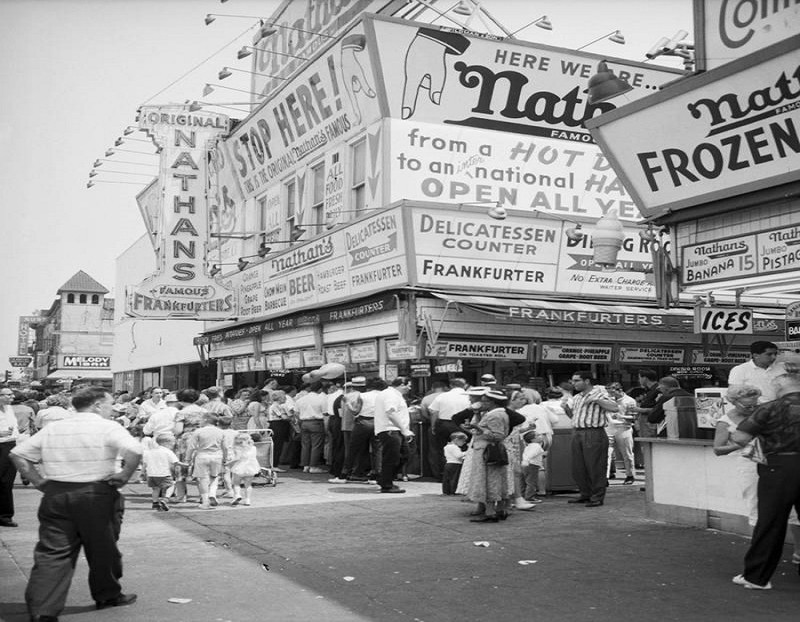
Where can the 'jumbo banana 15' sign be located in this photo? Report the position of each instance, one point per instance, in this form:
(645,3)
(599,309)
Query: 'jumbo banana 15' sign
(181,287)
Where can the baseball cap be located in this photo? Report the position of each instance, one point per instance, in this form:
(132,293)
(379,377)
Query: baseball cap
(477,391)
(488,378)
(358,381)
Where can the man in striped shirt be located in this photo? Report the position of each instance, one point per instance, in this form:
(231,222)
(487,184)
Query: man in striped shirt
(589,411)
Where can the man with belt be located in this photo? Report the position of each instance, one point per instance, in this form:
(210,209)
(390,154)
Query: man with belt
(777,425)
(441,411)
(589,411)
(78,474)
(9,431)
(392,423)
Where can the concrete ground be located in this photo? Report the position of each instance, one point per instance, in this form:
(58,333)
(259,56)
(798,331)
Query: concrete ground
(308,550)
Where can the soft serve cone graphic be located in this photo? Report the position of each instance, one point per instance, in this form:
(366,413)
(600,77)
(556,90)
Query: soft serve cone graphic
(607,239)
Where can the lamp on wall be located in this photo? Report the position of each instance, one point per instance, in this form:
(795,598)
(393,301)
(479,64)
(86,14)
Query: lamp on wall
(110,152)
(604,85)
(209,88)
(607,237)
(247,50)
(615,36)
(196,105)
(92,183)
(227,72)
(99,162)
(497,211)
(296,234)
(267,28)
(540,22)
(217,267)
(118,142)
(95,172)
(674,46)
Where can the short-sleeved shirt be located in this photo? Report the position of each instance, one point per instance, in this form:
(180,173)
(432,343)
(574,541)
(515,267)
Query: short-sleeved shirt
(591,414)
(82,448)
(777,424)
(158,462)
(752,374)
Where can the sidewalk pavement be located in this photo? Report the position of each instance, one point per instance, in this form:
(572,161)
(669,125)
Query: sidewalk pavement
(308,550)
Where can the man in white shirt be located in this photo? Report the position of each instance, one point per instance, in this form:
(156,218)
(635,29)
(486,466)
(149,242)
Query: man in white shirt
(311,409)
(156,402)
(392,423)
(441,412)
(81,506)
(9,431)
(165,420)
(759,371)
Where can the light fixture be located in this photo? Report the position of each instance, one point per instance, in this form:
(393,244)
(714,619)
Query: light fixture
(674,46)
(541,22)
(226,72)
(217,267)
(267,28)
(263,251)
(297,233)
(247,50)
(464,7)
(209,88)
(270,28)
(332,219)
(615,37)
(497,211)
(121,140)
(604,85)
(110,152)
(199,105)
(129,130)
(574,234)
(94,172)
(99,181)
(99,162)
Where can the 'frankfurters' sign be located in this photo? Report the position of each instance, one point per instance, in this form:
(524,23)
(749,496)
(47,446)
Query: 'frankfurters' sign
(731,130)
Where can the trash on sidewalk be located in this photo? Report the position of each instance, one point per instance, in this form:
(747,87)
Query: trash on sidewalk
(526,562)
(349,578)
(481,543)
(179,601)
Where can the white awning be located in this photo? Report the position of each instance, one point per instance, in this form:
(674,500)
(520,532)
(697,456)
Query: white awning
(80,374)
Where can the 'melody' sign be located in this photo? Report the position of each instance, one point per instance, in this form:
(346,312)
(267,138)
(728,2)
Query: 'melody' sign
(181,287)
(732,130)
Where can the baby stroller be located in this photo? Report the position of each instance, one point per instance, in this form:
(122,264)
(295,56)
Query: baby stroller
(264,456)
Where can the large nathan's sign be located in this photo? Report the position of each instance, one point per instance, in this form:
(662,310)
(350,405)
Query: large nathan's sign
(732,130)
(729,29)
(485,120)
(181,287)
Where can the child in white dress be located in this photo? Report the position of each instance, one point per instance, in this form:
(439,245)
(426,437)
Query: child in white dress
(244,467)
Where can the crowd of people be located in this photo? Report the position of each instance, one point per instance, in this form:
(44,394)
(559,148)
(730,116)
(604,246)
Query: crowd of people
(487,443)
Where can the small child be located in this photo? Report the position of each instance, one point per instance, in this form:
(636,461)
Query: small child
(160,463)
(244,467)
(224,423)
(532,462)
(454,459)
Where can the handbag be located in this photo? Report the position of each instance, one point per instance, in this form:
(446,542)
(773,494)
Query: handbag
(495,454)
(753,451)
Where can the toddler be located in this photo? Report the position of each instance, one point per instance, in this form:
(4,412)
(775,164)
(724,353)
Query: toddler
(244,467)
(532,462)
(454,459)
(160,463)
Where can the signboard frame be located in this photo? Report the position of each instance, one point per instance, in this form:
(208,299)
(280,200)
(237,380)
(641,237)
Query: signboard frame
(618,150)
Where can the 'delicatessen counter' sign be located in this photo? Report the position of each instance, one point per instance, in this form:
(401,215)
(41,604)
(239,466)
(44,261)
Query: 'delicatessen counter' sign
(181,288)
(761,253)
(719,134)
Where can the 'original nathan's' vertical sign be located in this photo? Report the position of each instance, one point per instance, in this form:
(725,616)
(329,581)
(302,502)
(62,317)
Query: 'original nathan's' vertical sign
(180,287)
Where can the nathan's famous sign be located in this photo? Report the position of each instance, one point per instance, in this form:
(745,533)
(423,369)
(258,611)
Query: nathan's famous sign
(181,287)
(732,130)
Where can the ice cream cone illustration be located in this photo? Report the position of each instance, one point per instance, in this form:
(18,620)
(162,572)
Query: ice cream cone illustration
(607,239)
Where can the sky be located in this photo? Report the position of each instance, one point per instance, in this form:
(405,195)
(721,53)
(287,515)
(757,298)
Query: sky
(74,72)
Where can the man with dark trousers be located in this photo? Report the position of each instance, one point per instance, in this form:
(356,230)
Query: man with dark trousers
(777,425)
(81,505)
(589,411)
(392,423)
(9,431)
